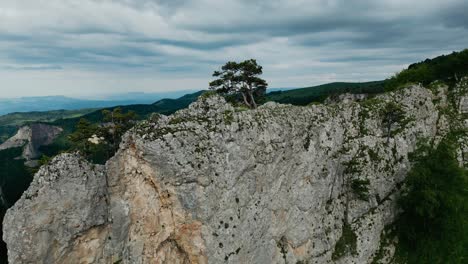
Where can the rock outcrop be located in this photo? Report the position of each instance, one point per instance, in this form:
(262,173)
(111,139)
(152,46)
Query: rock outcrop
(31,137)
(218,184)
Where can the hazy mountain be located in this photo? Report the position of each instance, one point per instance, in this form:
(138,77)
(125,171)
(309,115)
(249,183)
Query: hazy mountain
(47,103)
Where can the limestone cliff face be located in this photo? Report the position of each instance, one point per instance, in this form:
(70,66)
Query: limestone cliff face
(217,184)
(31,137)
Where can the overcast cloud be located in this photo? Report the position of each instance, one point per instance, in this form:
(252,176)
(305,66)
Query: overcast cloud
(90,47)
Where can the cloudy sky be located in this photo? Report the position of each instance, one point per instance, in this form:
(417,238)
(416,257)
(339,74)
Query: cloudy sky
(91,47)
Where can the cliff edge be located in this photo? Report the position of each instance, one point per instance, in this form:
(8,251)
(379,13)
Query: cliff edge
(218,184)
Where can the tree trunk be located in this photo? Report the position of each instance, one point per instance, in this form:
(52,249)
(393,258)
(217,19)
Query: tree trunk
(389,131)
(245,100)
(254,105)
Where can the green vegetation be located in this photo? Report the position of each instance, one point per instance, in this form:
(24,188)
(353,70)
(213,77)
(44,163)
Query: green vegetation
(19,119)
(98,142)
(14,176)
(305,96)
(116,124)
(208,94)
(386,239)
(80,141)
(361,188)
(242,80)
(346,244)
(9,123)
(352,166)
(6,132)
(433,227)
(143,111)
(14,179)
(100,153)
(392,114)
(446,68)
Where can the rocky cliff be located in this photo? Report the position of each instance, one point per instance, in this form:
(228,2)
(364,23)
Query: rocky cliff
(218,184)
(31,137)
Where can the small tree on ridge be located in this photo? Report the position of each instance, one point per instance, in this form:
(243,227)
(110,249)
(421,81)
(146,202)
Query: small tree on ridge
(241,78)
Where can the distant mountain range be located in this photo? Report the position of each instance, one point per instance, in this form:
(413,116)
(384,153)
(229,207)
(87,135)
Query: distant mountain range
(47,103)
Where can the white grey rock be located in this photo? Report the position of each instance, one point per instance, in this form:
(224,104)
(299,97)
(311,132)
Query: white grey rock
(218,184)
(31,137)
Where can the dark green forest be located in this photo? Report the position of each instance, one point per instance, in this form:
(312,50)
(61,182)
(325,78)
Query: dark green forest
(14,179)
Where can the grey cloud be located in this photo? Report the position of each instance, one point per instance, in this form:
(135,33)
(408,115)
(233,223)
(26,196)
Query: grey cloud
(180,38)
(31,68)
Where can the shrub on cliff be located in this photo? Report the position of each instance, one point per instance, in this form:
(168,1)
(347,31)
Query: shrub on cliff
(433,227)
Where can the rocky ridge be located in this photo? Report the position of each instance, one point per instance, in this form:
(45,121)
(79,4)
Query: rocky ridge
(31,137)
(218,184)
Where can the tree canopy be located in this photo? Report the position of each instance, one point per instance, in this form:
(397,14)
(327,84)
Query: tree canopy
(433,227)
(448,68)
(241,79)
(100,142)
(118,123)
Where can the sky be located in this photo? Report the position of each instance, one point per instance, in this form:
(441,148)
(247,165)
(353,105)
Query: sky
(84,48)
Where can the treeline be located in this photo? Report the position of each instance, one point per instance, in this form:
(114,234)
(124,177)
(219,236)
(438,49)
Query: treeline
(98,140)
(305,96)
(446,68)
(77,131)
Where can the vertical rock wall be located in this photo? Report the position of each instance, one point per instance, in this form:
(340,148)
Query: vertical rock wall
(218,184)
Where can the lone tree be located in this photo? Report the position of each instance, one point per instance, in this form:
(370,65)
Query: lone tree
(392,114)
(118,123)
(80,137)
(240,78)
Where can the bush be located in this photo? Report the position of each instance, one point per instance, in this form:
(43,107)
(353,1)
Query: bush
(346,244)
(361,188)
(433,227)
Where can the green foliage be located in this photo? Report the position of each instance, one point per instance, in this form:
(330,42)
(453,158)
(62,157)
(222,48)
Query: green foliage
(84,131)
(14,179)
(59,145)
(14,176)
(44,160)
(241,79)
(101,152)
(433,227)
(109,134)
(392,113)
(305,96)
(80,141)
(446,68)
(6,132)
(361,188)
(208,94)
(386,240)
(352,166)
(373,155)
(118,117)
(19,119)
(228,117)
(346,244)
(118,123)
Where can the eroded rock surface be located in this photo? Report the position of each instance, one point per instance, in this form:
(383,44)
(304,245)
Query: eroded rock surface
(217,184)
(62,217)
(31,137)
